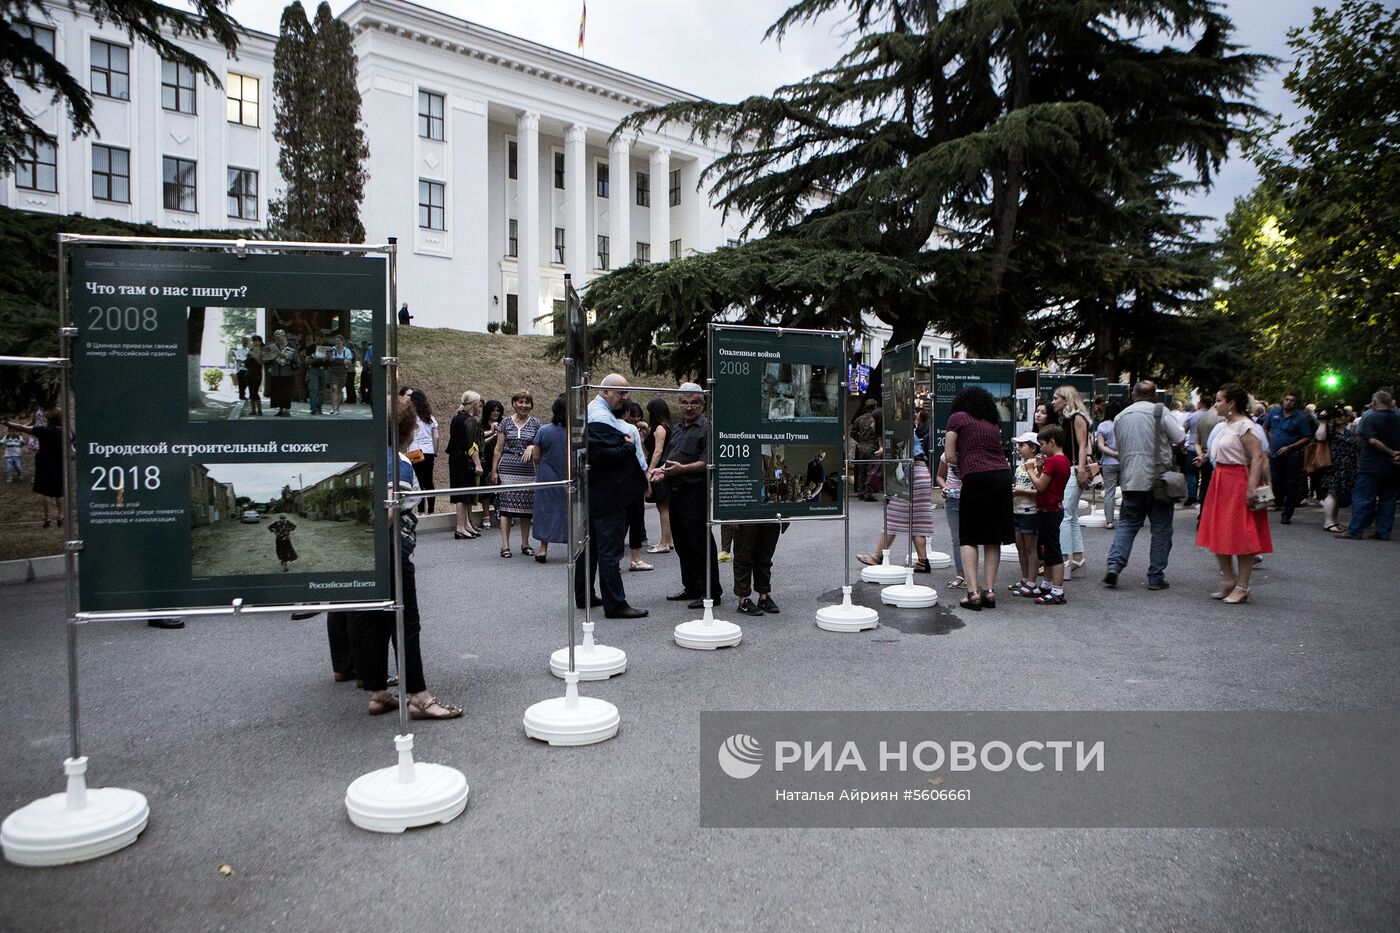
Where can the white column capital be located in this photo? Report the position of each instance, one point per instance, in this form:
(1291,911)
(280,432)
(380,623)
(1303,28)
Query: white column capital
(620,146)
(661,156)
(577,133)
(528,121)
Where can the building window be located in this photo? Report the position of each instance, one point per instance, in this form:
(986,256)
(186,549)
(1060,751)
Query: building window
(432,198)
(559,245)
(242,99)
(604,257)
(512,160)
(178,184)
(513,238)
(111,174)
(942,353)
(430,111)
(675,249)
(675,187)
(643,189)
(603,181)
(643,253)
(923,355)
(43,36)
(243,193)
(176,86)
(111,68)
(38,170)
(732,244)
(559,170)
(513,313)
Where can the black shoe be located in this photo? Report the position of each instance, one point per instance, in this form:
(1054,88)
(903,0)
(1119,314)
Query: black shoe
(1110,578)
(166,622)
(1158,585)
(747,607)
(1286,520)
(681,597)
(699,603)
(298,616)
(593,602)
(627,612)
(767,604)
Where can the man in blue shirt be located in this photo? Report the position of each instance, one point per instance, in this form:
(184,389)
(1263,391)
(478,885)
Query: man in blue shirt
(1289,430)
(1377,469)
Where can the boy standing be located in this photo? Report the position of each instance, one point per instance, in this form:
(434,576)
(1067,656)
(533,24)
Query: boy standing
(1049,474)
(1023,494)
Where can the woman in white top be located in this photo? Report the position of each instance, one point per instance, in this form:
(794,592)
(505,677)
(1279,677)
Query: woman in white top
(1233,526)
(342,360)
(425,442)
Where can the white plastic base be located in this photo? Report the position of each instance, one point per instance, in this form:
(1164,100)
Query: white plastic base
(909,595)
(708,633)
(846,616)
(591,660)
(1095,519)
(572,719)
(75,826)
(409,794)
(937,560)
(884,573)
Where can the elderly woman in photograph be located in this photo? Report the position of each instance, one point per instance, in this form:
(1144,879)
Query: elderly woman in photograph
(342,361)
(281,362)
(515,464)
(283,529)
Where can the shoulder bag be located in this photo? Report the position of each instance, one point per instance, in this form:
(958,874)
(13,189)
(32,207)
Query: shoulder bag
(1171,484)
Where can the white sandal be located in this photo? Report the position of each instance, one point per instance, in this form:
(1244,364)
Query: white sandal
(660,550)
(640,565)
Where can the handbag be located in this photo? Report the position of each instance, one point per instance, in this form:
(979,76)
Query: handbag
(1171,484)
(1317,456)
(1262,499)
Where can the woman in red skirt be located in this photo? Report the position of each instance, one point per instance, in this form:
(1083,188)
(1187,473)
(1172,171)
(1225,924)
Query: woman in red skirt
(1230,528)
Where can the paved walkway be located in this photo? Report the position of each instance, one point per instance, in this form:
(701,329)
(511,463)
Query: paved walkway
(244,746)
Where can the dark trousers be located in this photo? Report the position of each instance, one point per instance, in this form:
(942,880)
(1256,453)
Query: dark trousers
(753,558)
(240,379)
(1287,472)
(366,386)
(605,537)
(342,646)
(1204,482)
(689,531)
(423,469)
(1192,474)
(350,387)
(636,523)
(373,632)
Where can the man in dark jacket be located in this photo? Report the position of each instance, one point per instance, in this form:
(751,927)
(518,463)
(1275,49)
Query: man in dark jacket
(616,478)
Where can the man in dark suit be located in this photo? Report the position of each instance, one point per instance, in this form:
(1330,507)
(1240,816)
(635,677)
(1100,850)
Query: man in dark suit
(616,478)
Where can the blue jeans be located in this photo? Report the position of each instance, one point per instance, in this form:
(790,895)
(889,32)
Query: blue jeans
(953,507)
(315,388)
(1137,508)
(1373,497)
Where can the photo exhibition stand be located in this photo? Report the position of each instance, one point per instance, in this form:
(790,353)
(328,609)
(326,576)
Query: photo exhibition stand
(846,616)
(572,719)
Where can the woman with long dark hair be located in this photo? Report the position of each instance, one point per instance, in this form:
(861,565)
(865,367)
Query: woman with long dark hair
(973,444)
(1074,419)
(426,441)
(491,414)
(658,493)
(1234,527)
(253,374)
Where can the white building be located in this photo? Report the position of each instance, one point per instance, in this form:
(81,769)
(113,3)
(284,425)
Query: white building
(170,149)
(491,158)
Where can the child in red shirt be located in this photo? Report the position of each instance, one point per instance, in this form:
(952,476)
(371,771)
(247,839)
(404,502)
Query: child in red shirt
(1049,474)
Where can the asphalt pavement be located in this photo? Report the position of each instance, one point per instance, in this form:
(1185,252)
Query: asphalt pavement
(244,746)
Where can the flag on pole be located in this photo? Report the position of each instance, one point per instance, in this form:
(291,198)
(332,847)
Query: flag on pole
(582,24)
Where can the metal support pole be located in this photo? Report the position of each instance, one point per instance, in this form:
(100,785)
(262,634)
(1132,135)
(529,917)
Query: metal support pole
(911,512)
(391,386)
(709,486)
(66,333)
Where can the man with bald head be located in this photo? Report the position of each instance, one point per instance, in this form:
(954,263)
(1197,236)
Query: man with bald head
(616,478)
(1145,433)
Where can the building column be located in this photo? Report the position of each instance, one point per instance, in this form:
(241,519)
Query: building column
(578,252)
(620,202)
(660,205)
(527,134)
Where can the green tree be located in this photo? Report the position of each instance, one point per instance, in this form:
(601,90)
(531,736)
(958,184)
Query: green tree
(24,62)
(322,142)
(1310,261)
(928,176)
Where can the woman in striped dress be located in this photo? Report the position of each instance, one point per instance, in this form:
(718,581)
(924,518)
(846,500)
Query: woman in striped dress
(515,463)
(921,497)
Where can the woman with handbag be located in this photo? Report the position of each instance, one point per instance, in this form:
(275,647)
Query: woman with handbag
(1235,519)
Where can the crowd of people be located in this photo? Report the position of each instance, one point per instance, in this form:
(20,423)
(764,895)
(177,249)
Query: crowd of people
(321,372)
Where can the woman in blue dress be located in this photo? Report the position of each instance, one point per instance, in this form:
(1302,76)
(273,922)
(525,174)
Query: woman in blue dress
(551,518)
